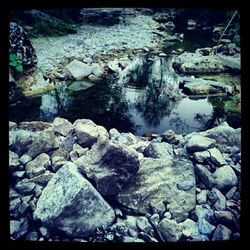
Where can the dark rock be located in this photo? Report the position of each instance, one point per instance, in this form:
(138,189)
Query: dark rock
(221,233)
(44,232)
(23,209)
(23,230)
(42,179)
(32,236)
(204,175)
(70,204)
(216,157)
(170,137)
(224,217)
(14,204)
(217,198)
(25,187)
(21,46)
(15,93)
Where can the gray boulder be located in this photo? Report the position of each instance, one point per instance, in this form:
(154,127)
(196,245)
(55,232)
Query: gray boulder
(199,143)
(71,205)
(169,230)
(79,70)
(204,175)
(110,165)
(225,178)
(216,157)
(62,126)
(38,165)
(87,132)
(221,233)
(156,183)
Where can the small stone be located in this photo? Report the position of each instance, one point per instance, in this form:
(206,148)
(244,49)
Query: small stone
(25,187)
(12,125)
(216,157)
(87,60)
(13,160)
(14,227)
(202,156)
(230,193)
(221,233)
(131,239)
(143,224)
(224,217)
(24,208)
(14,204)
(27,198)
(32,236)
(155,219)
(202,197)
(25,159)
(19,174)
(185,185)
(167,215)
(32,205)
(44,232)
(23,230)
(162,54)
(204,175)
(38,190)
(62,126)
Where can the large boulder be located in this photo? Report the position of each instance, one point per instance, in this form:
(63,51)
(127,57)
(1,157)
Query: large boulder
(20,45)
(87,132)
(158,182)
(70,204)
(110,165)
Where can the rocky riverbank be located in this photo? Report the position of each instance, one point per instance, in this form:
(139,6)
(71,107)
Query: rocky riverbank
(80,182)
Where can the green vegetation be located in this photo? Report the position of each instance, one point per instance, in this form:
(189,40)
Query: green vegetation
(15,63)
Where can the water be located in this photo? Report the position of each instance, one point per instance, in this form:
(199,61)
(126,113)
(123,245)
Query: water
(146,97)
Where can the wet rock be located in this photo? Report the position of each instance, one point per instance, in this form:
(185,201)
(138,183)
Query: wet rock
(204,175)
(62,126)
(169,230)
(25,159)
(38,165)
(19,44)
(13,161)
(87,132)
(199,143)
(25,187)
(70,204)
(221,233)
(156,183)
(216,157)
(79,70)
(34,126)
(225,178)
(110,165)
(158,150)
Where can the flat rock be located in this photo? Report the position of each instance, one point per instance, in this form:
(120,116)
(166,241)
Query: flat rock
(156,183)
(199,143)
(79,70)
(216,157)
(158,150)
(71,205)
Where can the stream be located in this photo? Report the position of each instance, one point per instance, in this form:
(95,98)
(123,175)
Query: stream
(144,98)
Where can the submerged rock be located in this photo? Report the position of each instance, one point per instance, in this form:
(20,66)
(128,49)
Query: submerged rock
(71,205)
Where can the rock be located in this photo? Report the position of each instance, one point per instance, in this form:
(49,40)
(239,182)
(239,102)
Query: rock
(158,150)
(185,185)
(15,93)
(70,204)
(231,62)
(218,199)
(162,54)
(202,156)
(14,227)
(170,137)
(195,63)
(25,159)
(224,217)
(199,143)
(147,237)
(216,157)
(131,239)
(14,204)
(87,132)
(12,125)
(204,175)
(114,134)
(221,233)
(57,162)
(225,178)
(23,209)
(143,224)
(62,126)
(34,126)
(231,193)
(167,215)
(202,197)
(79,70)
(204,214)
(110,165)
(19,44)
(87,60)
(19,174)
(25,187)
(127,139)
(225,136)
(156,183)
(13,161)
(23,230)
(33,143)
(169,230)
(38,165)
(32,236)
(44,232)
(42,179)
(68,142)
(97,70)
(189,229)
